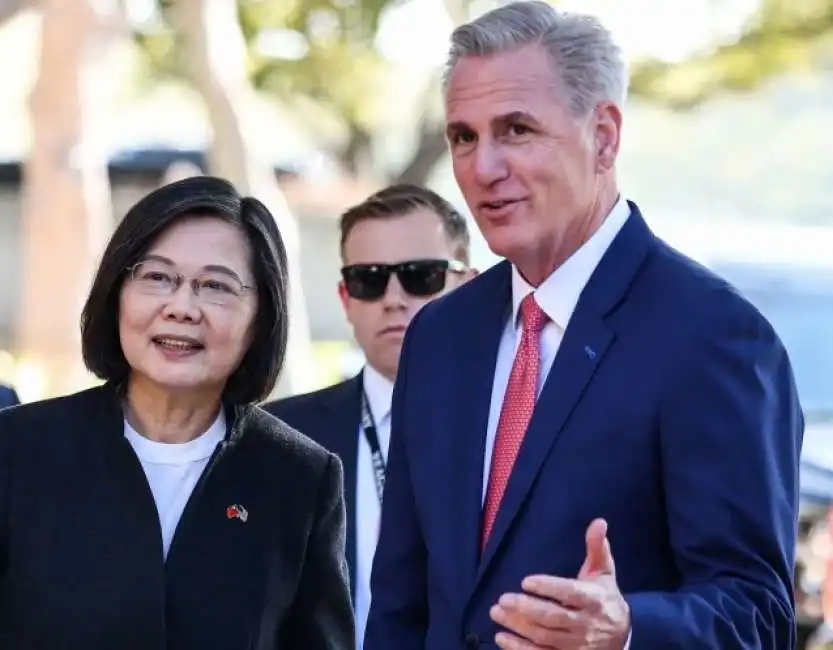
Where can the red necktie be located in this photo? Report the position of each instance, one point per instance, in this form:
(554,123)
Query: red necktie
(518,404)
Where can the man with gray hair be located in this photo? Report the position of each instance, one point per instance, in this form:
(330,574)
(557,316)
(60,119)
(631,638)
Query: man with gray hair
(596,396)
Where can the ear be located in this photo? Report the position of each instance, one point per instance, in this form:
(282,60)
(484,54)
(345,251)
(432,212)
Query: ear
(608,119)
(343,296)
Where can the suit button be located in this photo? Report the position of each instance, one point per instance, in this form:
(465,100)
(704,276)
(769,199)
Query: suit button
(472,640)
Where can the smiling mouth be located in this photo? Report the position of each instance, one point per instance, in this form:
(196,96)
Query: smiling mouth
(497,205)
(177,344)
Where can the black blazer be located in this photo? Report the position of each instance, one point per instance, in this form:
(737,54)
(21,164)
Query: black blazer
(332,417)
(80,543)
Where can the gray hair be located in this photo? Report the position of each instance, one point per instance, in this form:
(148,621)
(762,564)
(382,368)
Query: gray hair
(589,62)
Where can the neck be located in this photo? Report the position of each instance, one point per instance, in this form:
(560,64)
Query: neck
(539,264)
(390,375)
(162,416)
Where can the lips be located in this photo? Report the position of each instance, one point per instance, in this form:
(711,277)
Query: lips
(497,205)
(178,343)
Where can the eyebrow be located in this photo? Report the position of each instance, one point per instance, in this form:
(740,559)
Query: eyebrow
(506,118)
(515,116)
(456,127)
(216,268)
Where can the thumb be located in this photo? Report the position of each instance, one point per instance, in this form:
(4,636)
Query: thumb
(599,559)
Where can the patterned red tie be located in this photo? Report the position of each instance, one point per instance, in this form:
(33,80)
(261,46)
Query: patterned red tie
(516,411)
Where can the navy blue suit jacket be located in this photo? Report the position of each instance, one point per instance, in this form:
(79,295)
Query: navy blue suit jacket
(331,417)
(8,397)
(670,410)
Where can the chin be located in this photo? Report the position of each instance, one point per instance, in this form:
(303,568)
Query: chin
(177,381)
(509,243)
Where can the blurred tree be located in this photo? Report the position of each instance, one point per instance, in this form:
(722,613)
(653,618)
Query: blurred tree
(329,64)
(215,59)
(782,36)
(67,214)
(329,68)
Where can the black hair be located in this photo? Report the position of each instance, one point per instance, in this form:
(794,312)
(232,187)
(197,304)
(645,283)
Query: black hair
(144,223)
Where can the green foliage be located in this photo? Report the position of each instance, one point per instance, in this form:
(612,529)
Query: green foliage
(339,71)
(336,76)
(160,47)
(341,67)
(785,36)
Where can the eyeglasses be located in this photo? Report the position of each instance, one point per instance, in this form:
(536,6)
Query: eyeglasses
(215,287)
(419,278)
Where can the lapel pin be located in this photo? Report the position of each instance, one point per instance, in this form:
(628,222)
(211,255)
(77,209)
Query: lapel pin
(237,512)
(590,352)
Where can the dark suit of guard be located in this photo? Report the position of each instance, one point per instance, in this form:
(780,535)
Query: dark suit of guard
(8,397)
(81,553)
(332,417)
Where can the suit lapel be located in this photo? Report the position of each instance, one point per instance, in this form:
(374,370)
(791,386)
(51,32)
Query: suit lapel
(479,348)
(586,341)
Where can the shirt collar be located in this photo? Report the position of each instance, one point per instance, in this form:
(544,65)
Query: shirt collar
(558,295)
(379,391)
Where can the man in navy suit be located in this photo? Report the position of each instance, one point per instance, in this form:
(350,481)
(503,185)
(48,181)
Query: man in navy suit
(401,248)
(595,443)
(8,397)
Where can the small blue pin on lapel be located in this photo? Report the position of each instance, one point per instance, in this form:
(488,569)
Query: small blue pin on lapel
(590,352)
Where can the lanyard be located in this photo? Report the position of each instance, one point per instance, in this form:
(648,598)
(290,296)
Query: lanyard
(369,428)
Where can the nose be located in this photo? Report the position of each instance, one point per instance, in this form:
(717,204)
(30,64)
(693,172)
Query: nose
(182,305)
(395,295)
(489,163)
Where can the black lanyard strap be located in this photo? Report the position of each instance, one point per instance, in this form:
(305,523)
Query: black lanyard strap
(376,457)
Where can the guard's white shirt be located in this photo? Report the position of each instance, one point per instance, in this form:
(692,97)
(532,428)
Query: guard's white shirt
(172,471)
(379,392)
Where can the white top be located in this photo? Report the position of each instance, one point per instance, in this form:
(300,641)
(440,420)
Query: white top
(379,395)
(172,471)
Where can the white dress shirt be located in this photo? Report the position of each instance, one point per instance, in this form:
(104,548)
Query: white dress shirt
(558,296)
(379,392)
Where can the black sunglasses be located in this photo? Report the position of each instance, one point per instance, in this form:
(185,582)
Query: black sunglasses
(419,278)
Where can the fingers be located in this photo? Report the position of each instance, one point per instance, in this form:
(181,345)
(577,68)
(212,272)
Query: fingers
(509,641)
(599,558)
(571,594)
(531,619)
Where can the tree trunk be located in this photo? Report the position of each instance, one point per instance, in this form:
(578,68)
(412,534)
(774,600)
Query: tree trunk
(67,213)
(216,54)
(431,147)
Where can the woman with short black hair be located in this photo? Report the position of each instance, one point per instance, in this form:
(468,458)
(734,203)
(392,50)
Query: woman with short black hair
(163,509)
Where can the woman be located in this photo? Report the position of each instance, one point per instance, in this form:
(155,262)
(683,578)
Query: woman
(163,509)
